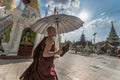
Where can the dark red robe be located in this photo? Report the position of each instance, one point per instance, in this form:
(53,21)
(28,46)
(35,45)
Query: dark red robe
(42,68)
(26,1)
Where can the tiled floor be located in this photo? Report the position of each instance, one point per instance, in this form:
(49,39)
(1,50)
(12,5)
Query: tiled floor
(69,67)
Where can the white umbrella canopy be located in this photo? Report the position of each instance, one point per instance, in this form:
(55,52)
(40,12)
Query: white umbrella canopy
(62,22)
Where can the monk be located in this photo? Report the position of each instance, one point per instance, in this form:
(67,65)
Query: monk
(42,67)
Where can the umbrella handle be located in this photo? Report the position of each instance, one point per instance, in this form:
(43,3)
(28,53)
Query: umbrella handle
(60,46)
(59,40)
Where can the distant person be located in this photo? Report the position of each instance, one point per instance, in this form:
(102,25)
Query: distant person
(42,67)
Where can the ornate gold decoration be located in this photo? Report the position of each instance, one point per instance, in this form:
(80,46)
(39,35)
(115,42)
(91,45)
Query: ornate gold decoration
(34,4)
(10,4)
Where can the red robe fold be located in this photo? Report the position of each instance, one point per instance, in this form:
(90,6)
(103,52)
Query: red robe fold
(42,68)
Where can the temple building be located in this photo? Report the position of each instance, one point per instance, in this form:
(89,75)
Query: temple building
(83,42)
(111,44)
(2,11)
(21,40)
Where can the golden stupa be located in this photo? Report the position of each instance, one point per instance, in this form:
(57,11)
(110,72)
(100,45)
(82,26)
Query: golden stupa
(10,4)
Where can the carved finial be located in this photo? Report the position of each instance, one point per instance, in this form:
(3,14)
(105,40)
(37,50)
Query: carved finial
(83,32)
(46,13)
(55,11)
(111,22)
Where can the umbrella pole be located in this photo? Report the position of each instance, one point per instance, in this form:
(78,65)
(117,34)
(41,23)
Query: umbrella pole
(59,41)
(57,23)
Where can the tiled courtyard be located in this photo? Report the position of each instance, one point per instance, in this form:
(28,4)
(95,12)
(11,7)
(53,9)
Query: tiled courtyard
(69,67)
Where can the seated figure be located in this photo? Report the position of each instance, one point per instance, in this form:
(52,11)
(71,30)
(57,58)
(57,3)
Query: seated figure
(27,39)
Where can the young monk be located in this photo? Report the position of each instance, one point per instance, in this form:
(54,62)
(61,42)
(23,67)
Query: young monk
(42,67)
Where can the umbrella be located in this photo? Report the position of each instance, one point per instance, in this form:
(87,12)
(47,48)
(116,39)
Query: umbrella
(62,22)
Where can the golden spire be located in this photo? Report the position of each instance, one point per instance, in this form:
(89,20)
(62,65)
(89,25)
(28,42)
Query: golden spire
(34,4)
(10,4)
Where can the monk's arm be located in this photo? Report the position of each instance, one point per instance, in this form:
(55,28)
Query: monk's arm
(46,52)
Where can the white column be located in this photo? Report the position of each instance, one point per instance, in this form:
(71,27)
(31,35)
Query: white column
(38,38)
(10,43)
(18,38)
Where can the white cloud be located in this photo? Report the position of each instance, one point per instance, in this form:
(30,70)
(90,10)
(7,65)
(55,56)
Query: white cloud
(64,6)
(84,15)
(76,3)
(58,3)
(17,2)
(119,22)
(98,21)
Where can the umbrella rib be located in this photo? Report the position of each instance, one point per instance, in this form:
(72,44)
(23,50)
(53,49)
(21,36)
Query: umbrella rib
(40,26)
(73,20)
(69,26)
(60,31)
(66,20)
(62,23)
(46,27)
(46,22)
(37,23)
(63,27)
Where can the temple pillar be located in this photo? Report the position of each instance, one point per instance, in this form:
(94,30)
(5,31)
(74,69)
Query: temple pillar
(38,38)
(10,44)
(17,38)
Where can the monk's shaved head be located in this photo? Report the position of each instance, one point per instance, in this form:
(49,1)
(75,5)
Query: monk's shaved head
(50,28)
(51,31)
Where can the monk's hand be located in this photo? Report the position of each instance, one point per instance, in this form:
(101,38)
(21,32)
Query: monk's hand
(60,51)
(22,78)
(56,56)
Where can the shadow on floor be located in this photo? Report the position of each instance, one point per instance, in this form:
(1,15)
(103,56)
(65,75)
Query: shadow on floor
(3,62)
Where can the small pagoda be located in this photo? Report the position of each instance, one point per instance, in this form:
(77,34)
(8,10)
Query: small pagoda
(112,42)
(82,40)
